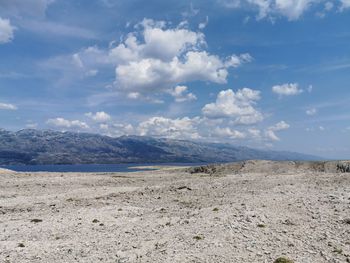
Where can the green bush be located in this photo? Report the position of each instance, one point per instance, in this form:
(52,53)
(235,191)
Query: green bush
(283,260)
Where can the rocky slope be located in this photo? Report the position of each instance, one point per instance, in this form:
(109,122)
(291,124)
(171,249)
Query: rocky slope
(51,147)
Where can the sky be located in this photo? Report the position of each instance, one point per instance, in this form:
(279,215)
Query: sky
(269,74)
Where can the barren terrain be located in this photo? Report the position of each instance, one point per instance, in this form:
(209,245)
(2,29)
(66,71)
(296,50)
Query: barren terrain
(253,214)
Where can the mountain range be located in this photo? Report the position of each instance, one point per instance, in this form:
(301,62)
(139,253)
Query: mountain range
(30,146)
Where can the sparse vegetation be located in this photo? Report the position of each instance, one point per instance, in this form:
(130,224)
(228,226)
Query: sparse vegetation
(35,220)
(338,250)
(283,260)
(346,221)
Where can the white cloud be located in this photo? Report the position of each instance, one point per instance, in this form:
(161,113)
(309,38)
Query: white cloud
(158,42)
(104,127)
(290,9)
(31,125)
(52,28)
(270,132)
(133,95)
(254,133)
(345,4)
(195,128)
(150,62)
(117,129)
(100,116)
(229,133)
(181,94)
(230,3)
(180,128)
(189,128)
(264,7)
(288,89)
(271,135)
(311,112)
(310,88)
(329,6)
(63,123)
(7,106)
(238,106)
(6,31)
(164,43)
(76,60)
(204,24)
(153,75)
(282,125)
(157,58)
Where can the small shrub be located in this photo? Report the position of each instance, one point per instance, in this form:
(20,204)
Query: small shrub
(338,250)
(283,260)
(198,237)
(36,220)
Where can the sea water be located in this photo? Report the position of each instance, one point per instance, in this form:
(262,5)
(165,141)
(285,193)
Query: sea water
(91,168)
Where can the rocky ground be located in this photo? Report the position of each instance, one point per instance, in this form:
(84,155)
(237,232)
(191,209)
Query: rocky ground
(172,215)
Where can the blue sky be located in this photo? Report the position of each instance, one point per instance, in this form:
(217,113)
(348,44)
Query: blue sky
(270,74)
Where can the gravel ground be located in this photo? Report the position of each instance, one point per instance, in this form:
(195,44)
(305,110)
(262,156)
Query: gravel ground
(174,216)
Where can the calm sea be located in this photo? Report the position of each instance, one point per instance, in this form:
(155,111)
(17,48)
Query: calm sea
(89,168)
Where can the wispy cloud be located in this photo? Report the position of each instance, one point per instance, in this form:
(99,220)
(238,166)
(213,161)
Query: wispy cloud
(51,28)
(7,106)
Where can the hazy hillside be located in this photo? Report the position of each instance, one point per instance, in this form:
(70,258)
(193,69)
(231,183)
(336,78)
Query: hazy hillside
(51,147)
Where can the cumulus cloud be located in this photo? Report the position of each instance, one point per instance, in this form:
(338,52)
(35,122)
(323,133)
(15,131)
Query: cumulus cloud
(238,106)
(187,128)
(254,133)
(170,128)
(100,116)
(270,133)
(228,133)
(117,129)
(157,57)
(7,106)
(6,31)
(149,75)
(181,94)
(221,121)
(63,123)
(288,89)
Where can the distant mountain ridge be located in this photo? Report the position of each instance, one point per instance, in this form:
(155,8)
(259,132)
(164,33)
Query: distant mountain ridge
(51,147)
